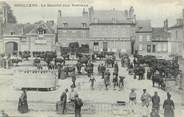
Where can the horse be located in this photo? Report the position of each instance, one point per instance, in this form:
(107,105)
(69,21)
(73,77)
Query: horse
(68,69)
(59,60)
(157,78)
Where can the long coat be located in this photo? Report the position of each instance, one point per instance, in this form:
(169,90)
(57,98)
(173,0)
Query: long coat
(22,104)
(168,108)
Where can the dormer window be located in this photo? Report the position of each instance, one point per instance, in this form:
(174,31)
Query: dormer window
(65,25)
(12,33)
(84,25)
(41,30)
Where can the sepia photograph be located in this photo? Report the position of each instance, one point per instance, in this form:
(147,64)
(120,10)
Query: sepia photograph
(91,58)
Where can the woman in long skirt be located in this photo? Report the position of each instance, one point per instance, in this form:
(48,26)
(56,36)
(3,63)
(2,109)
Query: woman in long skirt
(22,104)
(168,107)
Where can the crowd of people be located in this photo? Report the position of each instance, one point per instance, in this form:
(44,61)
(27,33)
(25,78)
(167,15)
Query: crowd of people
(118,82)
(147,99)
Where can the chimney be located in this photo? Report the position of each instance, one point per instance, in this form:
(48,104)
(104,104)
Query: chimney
(179,21)
(50,22)
(166,25)
(59,18)
(84,13)
(91,11)
(59,13)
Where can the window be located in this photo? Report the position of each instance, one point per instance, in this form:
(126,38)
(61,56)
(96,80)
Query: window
(73,31)
(148,48)
(12,33)
(105,46)
(140,38)
(159,47)
(96,43)
(41,30)
(140,47)
(165,47)
(148,38)
(64,31)
(153,48)
(176,34)
(65,25)
(95,47)
(84,25)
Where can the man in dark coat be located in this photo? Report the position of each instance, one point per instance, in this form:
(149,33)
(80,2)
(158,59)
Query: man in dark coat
(107,79)
(59,71)
(63,99)
(73,79)
(78,104)
(103,70)
(156,102)
(116,68)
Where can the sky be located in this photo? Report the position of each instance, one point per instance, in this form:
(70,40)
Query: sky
(155,10)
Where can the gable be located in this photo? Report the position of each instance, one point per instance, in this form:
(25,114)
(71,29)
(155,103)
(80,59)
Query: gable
(38,28)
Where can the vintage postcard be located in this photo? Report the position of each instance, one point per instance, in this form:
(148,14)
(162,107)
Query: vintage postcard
(91,58)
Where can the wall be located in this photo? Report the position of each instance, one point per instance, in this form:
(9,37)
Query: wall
(120,31)
(117,37)
(75,35)
(141,42)
(175,42)
(46,43)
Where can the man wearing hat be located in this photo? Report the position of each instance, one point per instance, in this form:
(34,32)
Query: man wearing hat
(145,99)
(78,104)
(156,102)
(63,99)
(168,106)
(132,99)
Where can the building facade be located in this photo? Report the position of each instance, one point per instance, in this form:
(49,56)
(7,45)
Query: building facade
(38,37)
(111,30)
(176,42)
(102,30)
(72,29)
(143,42)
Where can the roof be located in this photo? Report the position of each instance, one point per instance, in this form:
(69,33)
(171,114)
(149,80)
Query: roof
(176,26)
(73,22)
(110,16)
(143,26)
(16,29)
(31,28)
(160,34)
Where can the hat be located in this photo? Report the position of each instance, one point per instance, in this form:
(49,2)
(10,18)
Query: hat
(76,95)
(133,89)
(66,89)
(168,95)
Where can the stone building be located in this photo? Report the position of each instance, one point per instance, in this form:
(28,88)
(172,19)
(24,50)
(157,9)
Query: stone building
(160,37)
(102,30)
(72,29)
(152,40)
(176,42)
(111,30)
(143,42)
(38,37)
(6,14)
